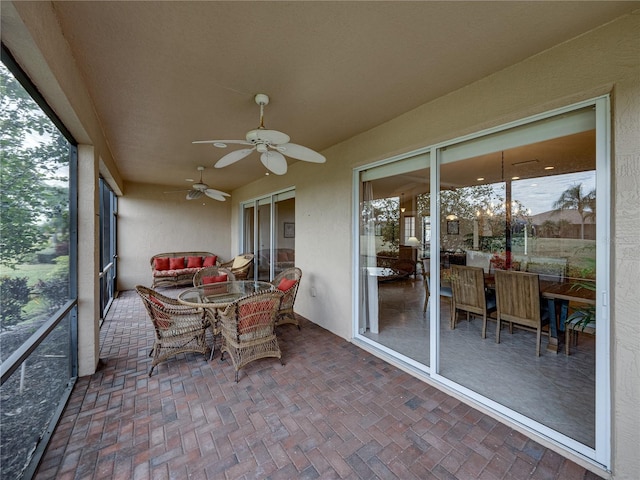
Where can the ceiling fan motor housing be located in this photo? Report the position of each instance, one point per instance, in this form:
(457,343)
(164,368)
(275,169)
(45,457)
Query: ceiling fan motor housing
(261,136)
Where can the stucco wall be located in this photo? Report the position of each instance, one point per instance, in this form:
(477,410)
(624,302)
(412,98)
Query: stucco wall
(605,61)
(151,221)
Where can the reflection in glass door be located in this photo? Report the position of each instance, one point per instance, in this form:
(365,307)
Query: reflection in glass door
(394,257)
(526,205)
(518,238)
(269,233)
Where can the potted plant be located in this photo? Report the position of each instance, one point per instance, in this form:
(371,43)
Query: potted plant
(582,317)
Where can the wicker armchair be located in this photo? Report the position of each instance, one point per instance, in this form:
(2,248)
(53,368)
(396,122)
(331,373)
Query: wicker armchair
(249,330)
(178,328)
(241,266)
(285,312)
(212,272)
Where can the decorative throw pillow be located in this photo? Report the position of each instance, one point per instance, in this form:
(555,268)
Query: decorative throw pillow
(239,262)
(176,263)
(285,284)
(218,279)
(210,261)
(161,263)
(194,262)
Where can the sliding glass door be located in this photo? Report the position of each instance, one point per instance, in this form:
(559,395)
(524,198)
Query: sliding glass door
(394,253)
(108,235)
(524,203)
(269,233)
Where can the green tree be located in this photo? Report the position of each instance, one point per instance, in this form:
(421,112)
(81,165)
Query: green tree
(572,199)
(387,214)
(33,191)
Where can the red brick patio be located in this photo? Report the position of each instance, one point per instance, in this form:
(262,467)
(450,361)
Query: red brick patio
(333,411)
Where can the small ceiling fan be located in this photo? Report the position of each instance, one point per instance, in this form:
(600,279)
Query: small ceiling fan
(271,144)
(198,189)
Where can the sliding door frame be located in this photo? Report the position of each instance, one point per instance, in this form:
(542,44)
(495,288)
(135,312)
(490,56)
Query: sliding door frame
(601,454)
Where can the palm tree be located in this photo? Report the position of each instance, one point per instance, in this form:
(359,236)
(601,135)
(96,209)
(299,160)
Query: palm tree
(572,199)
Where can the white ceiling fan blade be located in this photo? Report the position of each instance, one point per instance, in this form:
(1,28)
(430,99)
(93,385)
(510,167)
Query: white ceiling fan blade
(216,196)
(213,191)
(223,143)
(301,153)
(233,157)
(193,194)
(274,162)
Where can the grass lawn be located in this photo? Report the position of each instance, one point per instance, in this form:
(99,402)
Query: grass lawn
(33,272)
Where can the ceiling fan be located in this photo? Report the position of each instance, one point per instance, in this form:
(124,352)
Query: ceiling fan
(271,144)
(198,189)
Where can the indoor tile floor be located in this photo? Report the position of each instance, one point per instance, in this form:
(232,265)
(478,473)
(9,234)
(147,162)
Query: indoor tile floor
(332,411)
(554,389)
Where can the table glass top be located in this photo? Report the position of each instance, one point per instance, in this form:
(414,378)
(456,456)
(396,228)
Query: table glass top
(223,292)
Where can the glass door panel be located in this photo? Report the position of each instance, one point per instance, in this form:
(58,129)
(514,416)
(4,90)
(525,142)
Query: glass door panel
(394,246)
(264,240)
(523,201)
(269,233)
(284,253)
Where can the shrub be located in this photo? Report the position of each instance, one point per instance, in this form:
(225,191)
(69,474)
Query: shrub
(14,295)
(55,288)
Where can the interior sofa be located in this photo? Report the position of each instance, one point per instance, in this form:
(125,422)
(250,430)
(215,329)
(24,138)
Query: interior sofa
(284,258)
(177,268)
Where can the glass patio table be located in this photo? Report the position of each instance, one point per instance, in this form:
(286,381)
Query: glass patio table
(218,296)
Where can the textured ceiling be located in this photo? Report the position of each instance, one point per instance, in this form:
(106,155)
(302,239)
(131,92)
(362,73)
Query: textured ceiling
(162,74)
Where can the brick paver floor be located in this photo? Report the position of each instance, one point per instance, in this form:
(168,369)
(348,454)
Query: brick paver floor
(332,411)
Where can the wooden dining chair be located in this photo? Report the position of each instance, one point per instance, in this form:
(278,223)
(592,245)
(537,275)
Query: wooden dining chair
(519,303)
(445,292)
(470,295)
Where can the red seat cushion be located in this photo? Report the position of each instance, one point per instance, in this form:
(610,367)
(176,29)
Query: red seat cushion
(246,323)
(161,263)
(286,284)
(218,279)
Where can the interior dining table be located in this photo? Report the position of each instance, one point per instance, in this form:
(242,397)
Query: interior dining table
(558,295)
(217,296)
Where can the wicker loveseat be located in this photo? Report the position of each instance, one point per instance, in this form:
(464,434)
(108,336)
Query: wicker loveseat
(178,268)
